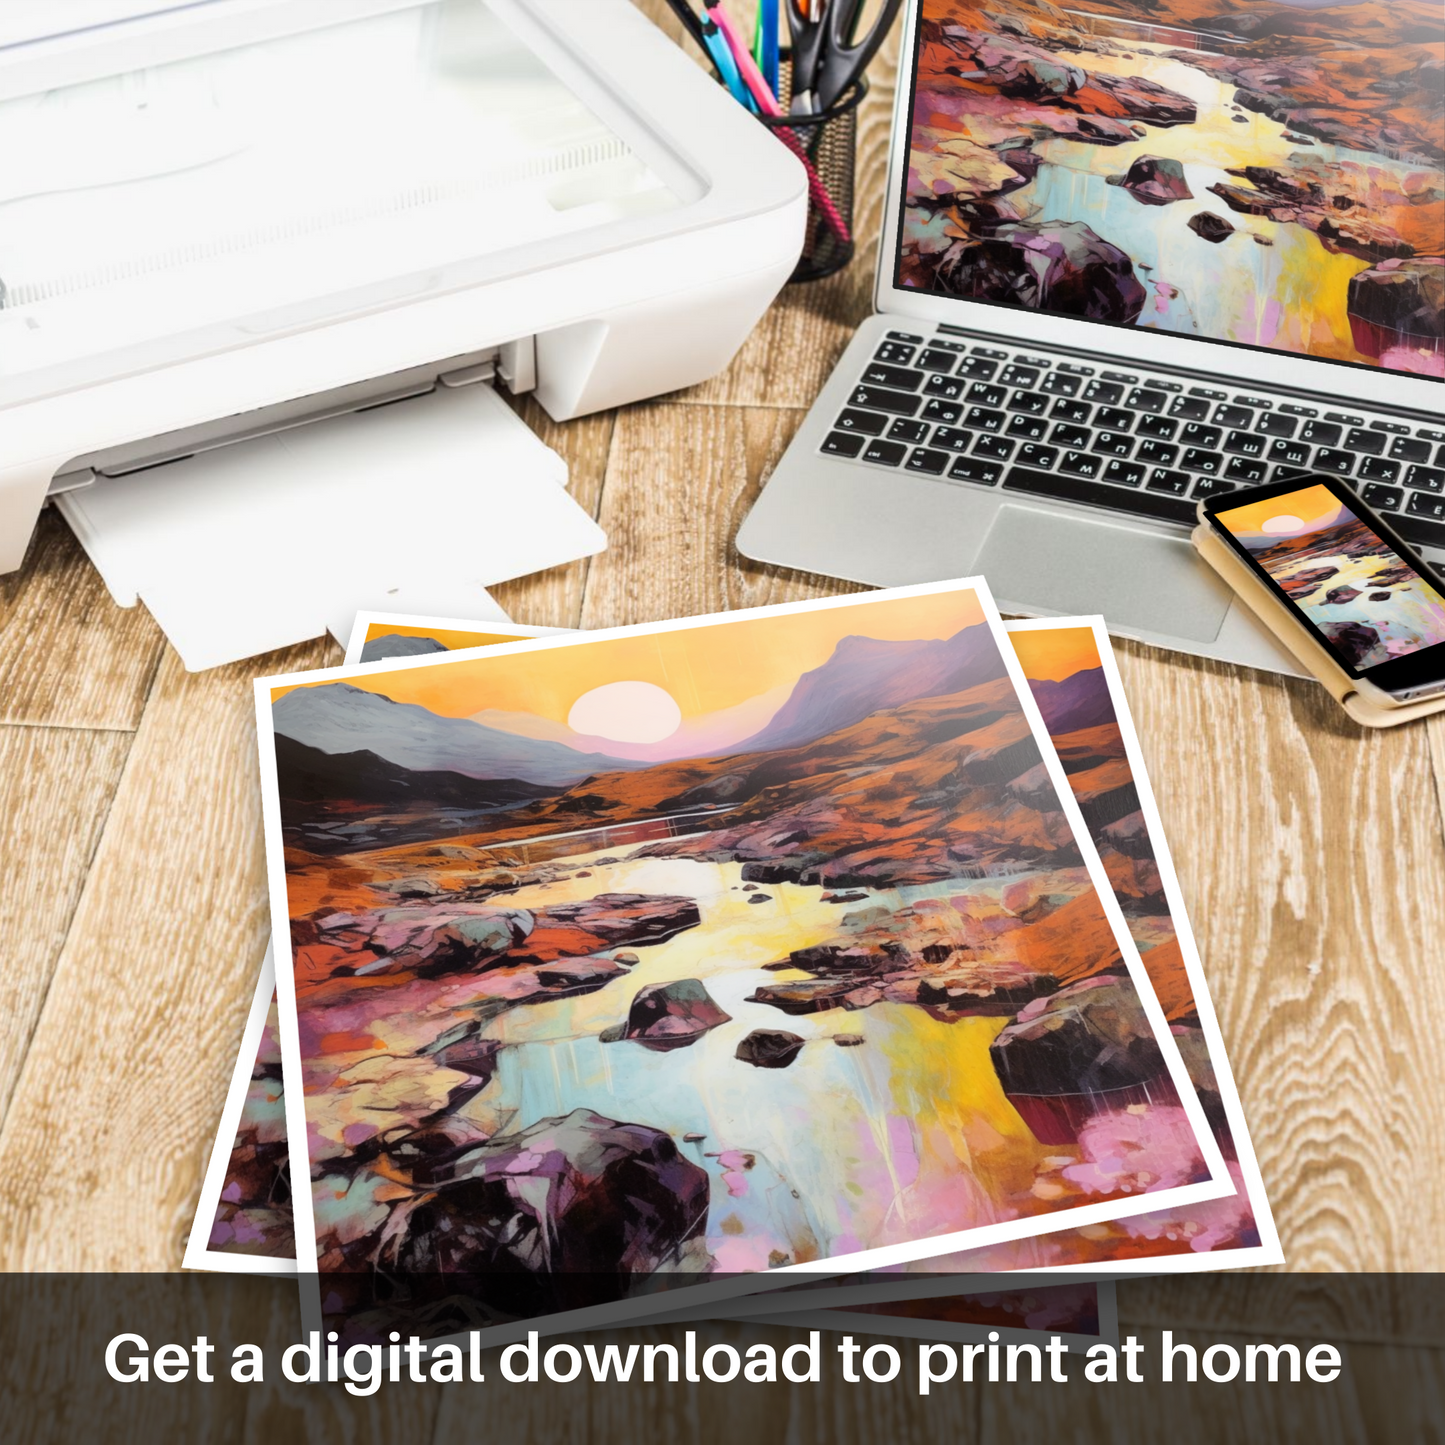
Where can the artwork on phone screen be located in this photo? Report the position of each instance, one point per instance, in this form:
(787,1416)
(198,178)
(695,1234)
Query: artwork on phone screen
(1266,172)
(1366,600)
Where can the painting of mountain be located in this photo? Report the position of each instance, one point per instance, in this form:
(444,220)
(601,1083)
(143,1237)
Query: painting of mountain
(392,644)
(846,985)
(1268,172)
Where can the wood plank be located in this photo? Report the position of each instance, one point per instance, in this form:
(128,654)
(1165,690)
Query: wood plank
(679,482)
(112,1117)
(554,598)
(1313,875)
(69,657)
(56,786)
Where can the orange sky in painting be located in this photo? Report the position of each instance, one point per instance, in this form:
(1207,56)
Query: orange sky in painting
(704,668)
(450,638)
(1309,504)
(1053,655)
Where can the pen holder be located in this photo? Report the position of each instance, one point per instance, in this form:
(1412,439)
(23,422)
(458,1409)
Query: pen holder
(827,144)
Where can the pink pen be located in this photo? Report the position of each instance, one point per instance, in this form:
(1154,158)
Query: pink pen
(768,105)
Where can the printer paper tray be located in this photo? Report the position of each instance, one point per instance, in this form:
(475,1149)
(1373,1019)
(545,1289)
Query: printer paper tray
(417,506)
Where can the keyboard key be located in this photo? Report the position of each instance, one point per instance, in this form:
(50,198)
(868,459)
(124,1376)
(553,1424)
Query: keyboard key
(877,398)
(995,448)
(1019,375)
(1156,454)
(1124,474)
(1077,370)
(1196,459)
(1030,427)
(955,439)
(1245,444)
(1211,487)
(971,469)
(1422,505)
(935,360)
(895,353)
(937,410)
(1368,443)
(1376,469)
(982,419)
(985,395)
(1081,464)
(1208,394)
(977,368)
(1235,416)
(986,351)
(1430,434)
(877,374)
(1195,435)
(1272,424)
(926,460)
(905,430)
(958,347)
(867,422)
(1383,499)
(1189,408)
(1113,418)
(905,336)
(1107,392)
(948,387)
(1035,403)
(1176,483)
(1162,427)
(1059,383)
(1407,449)
(886,454)
(1071,436)
(1419,531)
(1246,469)
(1331,459)
(1344,417)
(1099,494)
(1288,453)
(1143,399)
(1076,411)
(1042,457)
(1427,479)
(1112,444)
(843,444)
(1440,457)
(1321,433)
(1291,409)
(1253,401)
(1127,377)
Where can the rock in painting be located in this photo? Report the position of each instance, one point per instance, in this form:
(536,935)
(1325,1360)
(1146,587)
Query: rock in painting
(669,1016)
(769,1048)
(1062,266)
(1155,180)
(1338,595)
(1083,1050)
(1359,643)
(581,1195)
(1209,227)
(1399,304)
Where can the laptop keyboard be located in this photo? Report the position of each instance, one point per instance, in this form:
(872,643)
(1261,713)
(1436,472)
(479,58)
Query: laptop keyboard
(1143,444)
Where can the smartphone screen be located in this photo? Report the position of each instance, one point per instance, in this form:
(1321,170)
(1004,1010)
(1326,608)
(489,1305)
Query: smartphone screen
(1370,606)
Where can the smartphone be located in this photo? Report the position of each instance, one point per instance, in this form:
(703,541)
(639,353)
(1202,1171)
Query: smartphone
(1364,594)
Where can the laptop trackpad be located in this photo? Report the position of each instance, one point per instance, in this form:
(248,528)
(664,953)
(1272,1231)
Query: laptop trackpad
(1039,559)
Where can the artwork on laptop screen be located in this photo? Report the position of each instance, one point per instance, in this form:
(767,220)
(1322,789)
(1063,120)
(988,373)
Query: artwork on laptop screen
(1369,602)
(1267,172)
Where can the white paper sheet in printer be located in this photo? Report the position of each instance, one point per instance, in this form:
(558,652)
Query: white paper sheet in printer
(222,221)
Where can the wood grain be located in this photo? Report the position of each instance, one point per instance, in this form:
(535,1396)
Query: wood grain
(110,1122)
(1311,857)
(96,661)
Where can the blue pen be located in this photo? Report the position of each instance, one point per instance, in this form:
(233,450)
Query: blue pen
(768,28)
(727,67)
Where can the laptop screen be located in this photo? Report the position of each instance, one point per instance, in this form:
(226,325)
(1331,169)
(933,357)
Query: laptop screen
(1265,173)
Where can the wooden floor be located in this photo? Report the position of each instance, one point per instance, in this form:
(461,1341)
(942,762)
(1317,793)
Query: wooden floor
(132,901)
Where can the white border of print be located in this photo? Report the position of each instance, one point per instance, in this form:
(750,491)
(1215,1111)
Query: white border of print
(501,627)
(199,1254)
(1219,1183)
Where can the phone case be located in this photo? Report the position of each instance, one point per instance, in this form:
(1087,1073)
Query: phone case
(1297,638)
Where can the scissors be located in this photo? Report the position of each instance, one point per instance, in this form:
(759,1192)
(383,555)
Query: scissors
(828,56)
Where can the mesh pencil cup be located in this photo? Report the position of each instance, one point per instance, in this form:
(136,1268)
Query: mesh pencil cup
(827,145)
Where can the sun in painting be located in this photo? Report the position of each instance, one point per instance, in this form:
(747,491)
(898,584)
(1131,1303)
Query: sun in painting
(626,712)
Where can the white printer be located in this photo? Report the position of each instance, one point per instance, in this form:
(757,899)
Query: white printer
(233,225)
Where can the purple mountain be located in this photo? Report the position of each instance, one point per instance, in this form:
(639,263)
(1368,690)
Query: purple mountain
(865,676)
(1080,701)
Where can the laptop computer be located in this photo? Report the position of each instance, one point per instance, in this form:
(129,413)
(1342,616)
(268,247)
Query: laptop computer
(1135,252)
